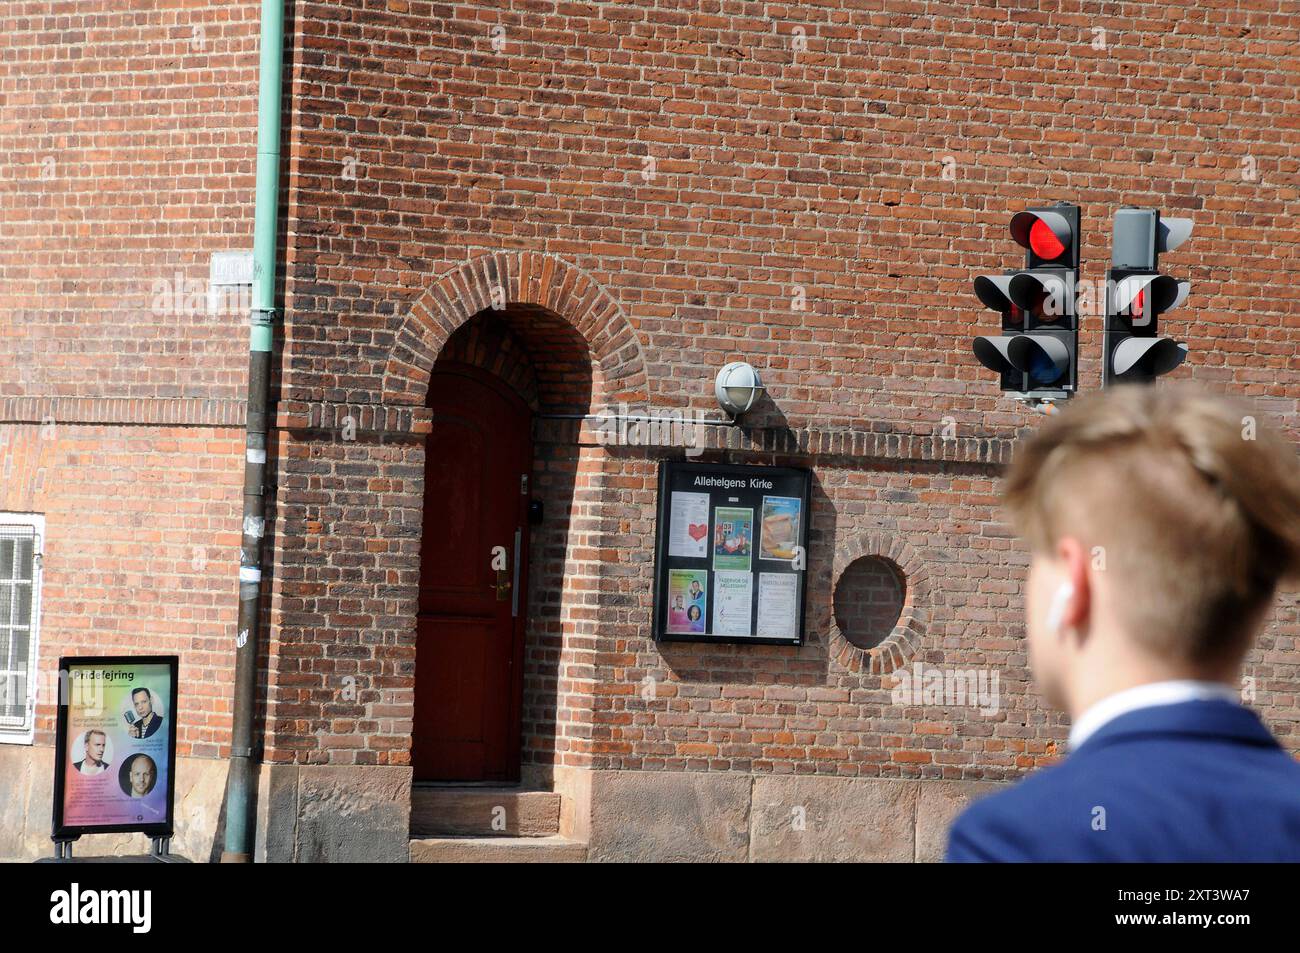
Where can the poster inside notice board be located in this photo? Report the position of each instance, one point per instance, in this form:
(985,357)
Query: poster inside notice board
(730,553)
(115,751)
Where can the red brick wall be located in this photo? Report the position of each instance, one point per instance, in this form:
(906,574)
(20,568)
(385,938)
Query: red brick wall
(820,212)
(141,546)
(126,158)
(818,208)
(778,170)
(344,581)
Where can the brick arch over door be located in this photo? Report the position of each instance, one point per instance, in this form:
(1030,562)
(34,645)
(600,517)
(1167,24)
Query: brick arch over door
(517,278)
(566,549)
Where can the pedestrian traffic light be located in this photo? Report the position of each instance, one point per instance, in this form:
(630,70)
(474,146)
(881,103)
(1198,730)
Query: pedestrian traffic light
(1137,294)
(1036,355)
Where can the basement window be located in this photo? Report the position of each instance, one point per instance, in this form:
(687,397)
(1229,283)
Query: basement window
(21,536)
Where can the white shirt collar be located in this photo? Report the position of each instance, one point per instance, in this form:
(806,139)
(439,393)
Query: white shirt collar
(1146,696)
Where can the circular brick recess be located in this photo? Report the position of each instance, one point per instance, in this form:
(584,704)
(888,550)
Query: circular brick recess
(869,600)
(882,595)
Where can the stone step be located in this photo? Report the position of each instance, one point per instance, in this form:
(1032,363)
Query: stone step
(497,850)
(483,812)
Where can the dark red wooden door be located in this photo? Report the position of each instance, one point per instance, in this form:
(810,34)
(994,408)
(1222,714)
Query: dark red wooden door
(469,648)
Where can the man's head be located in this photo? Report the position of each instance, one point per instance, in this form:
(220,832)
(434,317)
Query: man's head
(142,701)
(1160,521)
(141,775)
(95,742)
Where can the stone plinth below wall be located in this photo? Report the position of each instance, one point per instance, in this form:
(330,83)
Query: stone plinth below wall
(666,816)
(326,813)
(307,813)
(26,809)
(323,813)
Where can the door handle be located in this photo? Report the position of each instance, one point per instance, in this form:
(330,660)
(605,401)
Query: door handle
(507,582)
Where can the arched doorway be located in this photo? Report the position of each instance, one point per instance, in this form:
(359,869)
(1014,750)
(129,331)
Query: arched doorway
(566,347)
(489,629)
(473,607)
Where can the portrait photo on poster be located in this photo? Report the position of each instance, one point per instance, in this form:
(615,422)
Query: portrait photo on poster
(142,711)
(93,750)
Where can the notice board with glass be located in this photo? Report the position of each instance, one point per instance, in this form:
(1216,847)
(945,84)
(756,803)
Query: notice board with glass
(731,547)
(115,751)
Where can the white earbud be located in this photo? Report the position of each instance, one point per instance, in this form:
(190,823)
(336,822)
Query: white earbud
(1057,610)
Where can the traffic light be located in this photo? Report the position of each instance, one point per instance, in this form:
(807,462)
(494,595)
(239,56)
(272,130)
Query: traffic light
(1036,354)
(1137,294)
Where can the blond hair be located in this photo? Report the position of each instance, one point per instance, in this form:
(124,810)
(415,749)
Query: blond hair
(1190,504)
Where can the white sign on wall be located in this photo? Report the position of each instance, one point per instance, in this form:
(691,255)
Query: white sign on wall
(228,273)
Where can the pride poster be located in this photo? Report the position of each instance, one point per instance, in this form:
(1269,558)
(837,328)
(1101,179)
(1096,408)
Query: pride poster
(117,751)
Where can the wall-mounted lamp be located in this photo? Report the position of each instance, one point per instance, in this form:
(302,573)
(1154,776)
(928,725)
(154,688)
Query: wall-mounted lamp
(737,387)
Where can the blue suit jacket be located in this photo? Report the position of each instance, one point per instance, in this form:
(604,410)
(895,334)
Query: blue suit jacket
(1195,781)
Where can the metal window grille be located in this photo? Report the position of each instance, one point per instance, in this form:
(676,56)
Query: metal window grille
(20,584)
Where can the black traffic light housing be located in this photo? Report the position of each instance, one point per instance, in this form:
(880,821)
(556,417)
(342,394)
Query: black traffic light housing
(1036,355)
(1137,294)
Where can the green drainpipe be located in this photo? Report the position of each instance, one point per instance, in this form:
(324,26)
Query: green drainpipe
(239,784)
